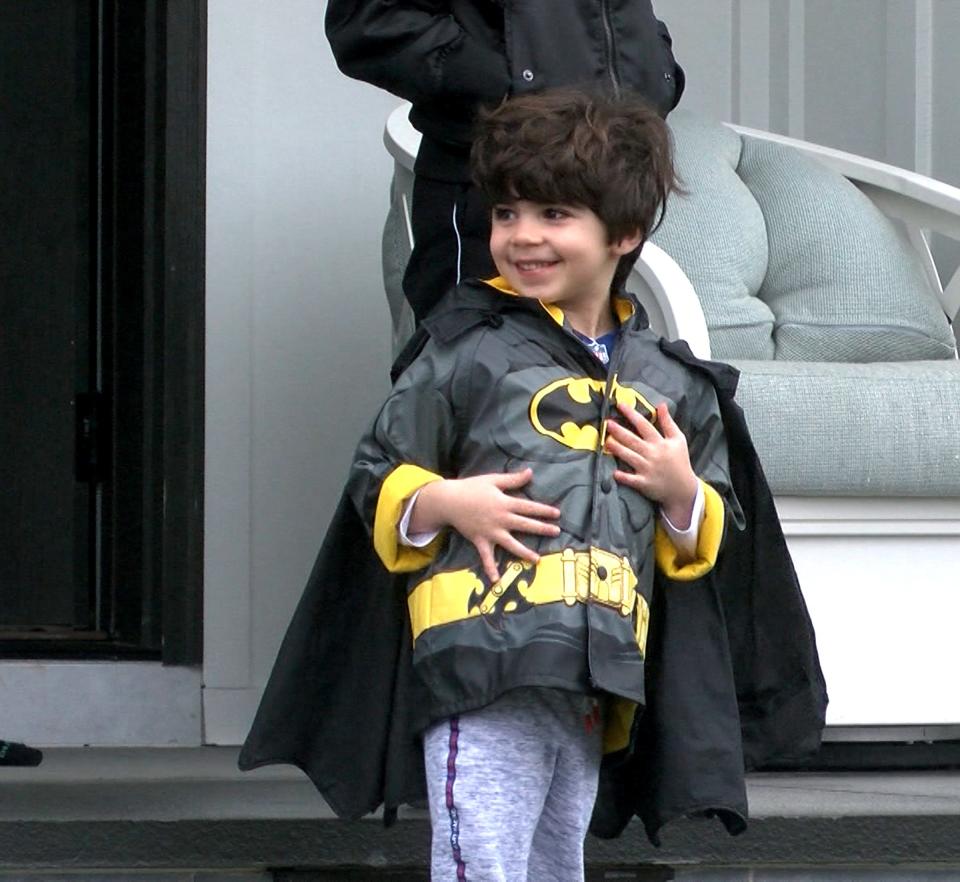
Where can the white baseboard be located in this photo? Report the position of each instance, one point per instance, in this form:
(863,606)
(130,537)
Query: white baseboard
(100,703)
(228,714)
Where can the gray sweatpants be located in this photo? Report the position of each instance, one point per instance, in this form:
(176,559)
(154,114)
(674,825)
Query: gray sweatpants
(511,788)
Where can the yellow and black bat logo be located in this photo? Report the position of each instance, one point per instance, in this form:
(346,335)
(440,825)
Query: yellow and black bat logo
(568,410)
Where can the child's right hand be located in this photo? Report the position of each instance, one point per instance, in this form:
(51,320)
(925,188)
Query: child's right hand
(482,510)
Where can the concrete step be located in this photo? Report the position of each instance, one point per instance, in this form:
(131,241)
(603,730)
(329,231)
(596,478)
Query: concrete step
(191,809)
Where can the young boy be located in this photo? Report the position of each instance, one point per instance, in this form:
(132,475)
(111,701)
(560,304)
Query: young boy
(526,467)
(551,476)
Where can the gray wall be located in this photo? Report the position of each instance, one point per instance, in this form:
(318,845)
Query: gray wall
(945,109)
(297,325)
(875,77)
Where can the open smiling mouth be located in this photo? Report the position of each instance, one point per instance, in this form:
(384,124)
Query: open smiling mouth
(527,266)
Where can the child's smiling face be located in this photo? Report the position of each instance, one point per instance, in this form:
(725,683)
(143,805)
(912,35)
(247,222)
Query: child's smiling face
(558,254)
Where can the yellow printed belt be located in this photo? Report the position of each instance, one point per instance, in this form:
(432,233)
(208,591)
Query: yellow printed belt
(596,575)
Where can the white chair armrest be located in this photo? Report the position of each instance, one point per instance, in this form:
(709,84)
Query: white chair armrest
(669,299)
(951,302)
(927,202)
(400,138)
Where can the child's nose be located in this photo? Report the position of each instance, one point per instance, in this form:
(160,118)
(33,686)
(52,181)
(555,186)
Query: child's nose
(527,230)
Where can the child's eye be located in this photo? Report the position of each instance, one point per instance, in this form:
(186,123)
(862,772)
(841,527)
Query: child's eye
(502,213)
(555,213)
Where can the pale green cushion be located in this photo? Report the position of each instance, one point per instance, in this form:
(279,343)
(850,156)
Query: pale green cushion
(844,429)
(840,281)
(716,233)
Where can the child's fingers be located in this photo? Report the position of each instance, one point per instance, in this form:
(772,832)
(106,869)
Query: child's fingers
(618,450)
(619,439)
(509,544)
(670,428)
(487,561)
(512,480)
(628,479)
(531,509)
(641,425)
(631,439)
(521,524)
(626,455)
(518,549)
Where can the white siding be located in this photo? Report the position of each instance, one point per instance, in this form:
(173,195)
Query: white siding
(297,325)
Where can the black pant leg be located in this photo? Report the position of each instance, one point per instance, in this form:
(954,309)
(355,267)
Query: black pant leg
(451,232)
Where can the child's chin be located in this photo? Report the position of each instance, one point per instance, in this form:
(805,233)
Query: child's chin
(525,291)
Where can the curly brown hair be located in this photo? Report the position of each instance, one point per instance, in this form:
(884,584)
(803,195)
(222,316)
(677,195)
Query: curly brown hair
(611,155)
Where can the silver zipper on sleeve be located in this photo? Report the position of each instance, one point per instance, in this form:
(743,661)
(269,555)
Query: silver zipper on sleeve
(608,39)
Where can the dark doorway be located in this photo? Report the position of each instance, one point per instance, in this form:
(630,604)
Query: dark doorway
(47,139)
(101,328)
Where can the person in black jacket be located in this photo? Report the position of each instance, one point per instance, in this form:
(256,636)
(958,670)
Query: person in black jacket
(449,57)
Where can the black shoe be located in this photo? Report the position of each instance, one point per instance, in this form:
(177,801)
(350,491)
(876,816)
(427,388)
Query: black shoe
(14,754)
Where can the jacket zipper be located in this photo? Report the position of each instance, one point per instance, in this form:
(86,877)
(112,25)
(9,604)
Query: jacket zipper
(609,46)
(613,369)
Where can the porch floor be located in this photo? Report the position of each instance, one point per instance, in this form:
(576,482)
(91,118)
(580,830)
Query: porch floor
(191,808)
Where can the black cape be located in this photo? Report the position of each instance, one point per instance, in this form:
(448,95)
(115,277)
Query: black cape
(733,678)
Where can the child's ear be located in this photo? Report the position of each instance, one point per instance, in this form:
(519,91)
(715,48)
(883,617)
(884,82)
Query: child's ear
(627,243)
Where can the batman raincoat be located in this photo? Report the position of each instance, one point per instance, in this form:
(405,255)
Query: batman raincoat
(382,644)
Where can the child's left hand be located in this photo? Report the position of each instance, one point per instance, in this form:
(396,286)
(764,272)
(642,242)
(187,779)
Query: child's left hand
(660,464)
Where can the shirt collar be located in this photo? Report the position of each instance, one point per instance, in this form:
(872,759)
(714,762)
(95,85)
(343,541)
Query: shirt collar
(623,307)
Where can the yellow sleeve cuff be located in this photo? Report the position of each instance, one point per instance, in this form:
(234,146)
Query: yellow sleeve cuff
(396,489)
(708,542)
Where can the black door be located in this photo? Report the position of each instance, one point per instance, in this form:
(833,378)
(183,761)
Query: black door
(101,327)
(48,145)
